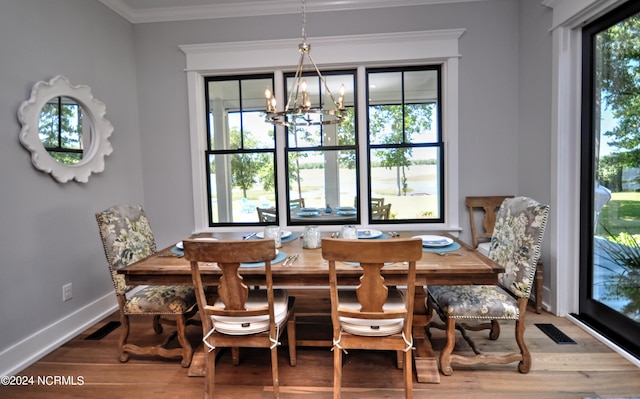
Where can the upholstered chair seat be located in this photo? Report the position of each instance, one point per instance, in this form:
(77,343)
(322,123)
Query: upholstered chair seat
(161,299)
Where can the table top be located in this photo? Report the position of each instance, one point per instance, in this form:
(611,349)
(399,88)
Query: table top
(311,270)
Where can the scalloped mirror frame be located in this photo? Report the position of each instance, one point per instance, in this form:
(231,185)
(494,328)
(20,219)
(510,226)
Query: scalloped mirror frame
(99,146)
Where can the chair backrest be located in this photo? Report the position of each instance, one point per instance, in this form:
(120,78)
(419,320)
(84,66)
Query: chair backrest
(296,203)
(229,254)
(381,212)
(126,238)
(517,238)
(377,202)
(266,215)
(488,205)
(371,255)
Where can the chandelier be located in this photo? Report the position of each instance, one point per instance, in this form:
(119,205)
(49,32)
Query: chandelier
(299,110)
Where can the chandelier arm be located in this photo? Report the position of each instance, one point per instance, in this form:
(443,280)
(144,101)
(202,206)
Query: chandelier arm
(324,82)
(297,85)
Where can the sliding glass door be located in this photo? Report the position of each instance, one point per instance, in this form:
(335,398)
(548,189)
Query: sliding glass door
(610,182)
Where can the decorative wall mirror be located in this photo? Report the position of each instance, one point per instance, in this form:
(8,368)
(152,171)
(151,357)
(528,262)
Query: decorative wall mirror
(65,129)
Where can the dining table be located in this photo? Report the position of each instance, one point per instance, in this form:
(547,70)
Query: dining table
(455,263)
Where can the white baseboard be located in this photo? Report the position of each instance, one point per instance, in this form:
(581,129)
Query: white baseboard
(605,341)
(26,352)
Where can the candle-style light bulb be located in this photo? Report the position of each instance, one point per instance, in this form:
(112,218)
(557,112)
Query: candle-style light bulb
(267,95)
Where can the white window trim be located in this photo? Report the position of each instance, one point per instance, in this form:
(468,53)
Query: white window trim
(394,49)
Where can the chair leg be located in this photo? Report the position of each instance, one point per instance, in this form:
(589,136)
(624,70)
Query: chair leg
(337,372)
(157,325)
(274,372)
(235,355)
(187,350)
(525,363)
(210,373)
(539,286)
(291,338)
(124,335)
(445,353)
(408,375)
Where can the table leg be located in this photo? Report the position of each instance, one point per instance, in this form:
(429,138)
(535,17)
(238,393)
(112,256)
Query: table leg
(424,357)
(198,363)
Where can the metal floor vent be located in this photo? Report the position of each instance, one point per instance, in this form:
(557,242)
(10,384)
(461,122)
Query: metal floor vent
(103,331)
(554,333)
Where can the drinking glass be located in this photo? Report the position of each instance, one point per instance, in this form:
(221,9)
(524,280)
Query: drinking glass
(275,233)
(312,237)
(349,232)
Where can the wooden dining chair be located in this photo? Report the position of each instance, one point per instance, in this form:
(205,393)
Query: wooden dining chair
(515,245)
(127,238)
(266,215)
(381,212)
(296,203)
(240,317)
(481,235)
(373,315)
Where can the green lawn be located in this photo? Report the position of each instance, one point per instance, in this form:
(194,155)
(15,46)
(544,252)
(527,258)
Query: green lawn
(621,214)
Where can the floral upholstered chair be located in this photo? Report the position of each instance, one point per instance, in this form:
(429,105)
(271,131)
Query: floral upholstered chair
(515,245)
(126,238)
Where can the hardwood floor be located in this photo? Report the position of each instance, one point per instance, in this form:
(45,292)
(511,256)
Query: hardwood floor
(586,369)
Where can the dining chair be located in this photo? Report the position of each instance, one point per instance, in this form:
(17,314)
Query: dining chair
(266,215)
(126,238)
(515,245)
(381,212)
(296,203)
(481,235)
(373,315)
(377,201)
(240,317)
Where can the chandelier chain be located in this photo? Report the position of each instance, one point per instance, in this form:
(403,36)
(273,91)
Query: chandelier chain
(304,21)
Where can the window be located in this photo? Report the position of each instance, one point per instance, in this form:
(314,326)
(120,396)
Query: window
(240,155)
(206,63)
(405,147)
(322,160)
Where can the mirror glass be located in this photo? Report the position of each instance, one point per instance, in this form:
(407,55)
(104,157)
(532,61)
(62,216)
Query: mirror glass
(65,129)
(60,128)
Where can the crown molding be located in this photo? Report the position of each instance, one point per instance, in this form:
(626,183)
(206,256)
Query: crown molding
(254,8)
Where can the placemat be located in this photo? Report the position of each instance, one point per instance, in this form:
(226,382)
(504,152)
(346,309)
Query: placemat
(451,247)
(279,258)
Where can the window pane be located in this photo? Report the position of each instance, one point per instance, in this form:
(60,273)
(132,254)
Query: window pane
(322,178)
(408,178)
(248,178)
(405,145)
(244,114)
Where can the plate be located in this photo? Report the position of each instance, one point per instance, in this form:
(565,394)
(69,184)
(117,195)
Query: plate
(346,213)
(308,213)
(181,246)
(309,210)
(369,233)
(435,241)
(283,234)
(345,209)
(280,256)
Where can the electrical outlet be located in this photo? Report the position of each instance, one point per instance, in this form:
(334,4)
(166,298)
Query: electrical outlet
(66,292)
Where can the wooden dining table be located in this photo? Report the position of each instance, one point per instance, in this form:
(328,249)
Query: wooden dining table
(462,266)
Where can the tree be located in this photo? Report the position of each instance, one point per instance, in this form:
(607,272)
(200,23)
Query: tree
(618,73)
(395,124)
(246,166)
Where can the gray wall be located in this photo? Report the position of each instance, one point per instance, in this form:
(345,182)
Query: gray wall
(48,231)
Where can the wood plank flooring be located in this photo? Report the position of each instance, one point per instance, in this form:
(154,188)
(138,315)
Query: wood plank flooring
(587,369)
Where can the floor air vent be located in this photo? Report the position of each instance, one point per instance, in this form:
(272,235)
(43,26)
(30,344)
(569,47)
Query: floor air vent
(103,331)
(555,334)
